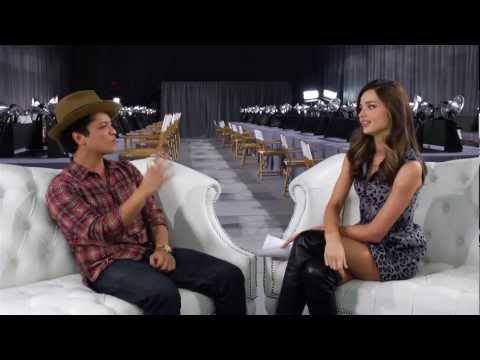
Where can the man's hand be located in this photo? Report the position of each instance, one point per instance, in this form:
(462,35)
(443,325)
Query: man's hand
(155,176)
(162,260)
(163,152)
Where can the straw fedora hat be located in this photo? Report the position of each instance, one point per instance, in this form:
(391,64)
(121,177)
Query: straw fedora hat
(76,106)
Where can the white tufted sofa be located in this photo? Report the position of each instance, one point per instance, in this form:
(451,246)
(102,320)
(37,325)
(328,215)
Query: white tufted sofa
(448,212)
(38,274)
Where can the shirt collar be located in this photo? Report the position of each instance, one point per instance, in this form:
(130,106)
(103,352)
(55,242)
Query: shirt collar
(80,172)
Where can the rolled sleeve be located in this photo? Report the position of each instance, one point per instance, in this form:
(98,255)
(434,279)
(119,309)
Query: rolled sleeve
(155,216)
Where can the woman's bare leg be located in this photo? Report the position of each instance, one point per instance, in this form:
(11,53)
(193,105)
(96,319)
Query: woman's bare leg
(361,264)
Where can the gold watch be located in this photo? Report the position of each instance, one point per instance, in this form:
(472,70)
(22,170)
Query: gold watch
(165,247)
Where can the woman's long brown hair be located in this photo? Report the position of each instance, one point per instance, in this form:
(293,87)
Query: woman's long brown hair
(401,138)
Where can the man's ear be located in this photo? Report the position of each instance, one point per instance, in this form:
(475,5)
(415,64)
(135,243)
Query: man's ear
(78,138)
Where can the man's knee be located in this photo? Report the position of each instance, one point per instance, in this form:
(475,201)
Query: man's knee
(163,300)
(233,273)
(230,274)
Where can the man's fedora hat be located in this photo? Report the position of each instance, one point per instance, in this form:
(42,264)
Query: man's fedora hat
(78,105)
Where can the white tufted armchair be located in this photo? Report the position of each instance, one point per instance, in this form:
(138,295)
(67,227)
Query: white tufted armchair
(448,283)
(38,274)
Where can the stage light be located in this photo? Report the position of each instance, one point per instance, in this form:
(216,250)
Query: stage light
(310,95)
(329,94)
(117,100)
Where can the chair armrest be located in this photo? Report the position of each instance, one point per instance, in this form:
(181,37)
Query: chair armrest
(310,191)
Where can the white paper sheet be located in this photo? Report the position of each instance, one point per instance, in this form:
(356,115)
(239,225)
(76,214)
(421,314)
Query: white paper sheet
(272,248)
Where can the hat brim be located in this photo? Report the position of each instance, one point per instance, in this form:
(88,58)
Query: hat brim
(107,106)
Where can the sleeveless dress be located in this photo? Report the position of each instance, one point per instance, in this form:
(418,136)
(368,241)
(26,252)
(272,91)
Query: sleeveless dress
(399,255)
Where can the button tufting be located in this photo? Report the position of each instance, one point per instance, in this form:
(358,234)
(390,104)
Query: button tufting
(30,185)
(14,261)
(446,207)
(464,178)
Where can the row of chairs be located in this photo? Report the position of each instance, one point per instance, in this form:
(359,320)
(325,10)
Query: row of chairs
(246,144)
(161,138)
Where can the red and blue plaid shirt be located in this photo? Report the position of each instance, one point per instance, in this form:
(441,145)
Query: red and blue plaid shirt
(86,208)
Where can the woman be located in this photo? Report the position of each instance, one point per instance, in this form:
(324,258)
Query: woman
(386,168)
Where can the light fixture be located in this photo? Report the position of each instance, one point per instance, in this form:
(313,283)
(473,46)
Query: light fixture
(329,94)
(298,107)
(452,108)
(305,108)
(117,100)
(310,95)
(426,108)
(53,100)
(35,102)
(285,108)
(334,105)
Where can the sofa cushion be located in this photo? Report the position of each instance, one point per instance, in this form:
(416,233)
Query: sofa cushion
(31,247)
(456,287)
(68,296)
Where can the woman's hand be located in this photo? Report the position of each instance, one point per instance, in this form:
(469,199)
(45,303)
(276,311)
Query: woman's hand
(335,253)
(290,239)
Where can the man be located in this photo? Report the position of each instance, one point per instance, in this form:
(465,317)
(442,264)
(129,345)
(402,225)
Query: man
(107,213)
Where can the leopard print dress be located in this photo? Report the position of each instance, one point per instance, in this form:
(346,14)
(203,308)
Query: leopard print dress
(399,255)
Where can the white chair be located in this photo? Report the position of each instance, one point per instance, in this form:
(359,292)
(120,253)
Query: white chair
(448,205)
(38,274)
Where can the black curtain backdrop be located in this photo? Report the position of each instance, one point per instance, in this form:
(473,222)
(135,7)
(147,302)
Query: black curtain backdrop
(435,72)
(34,71)
(136,73)
(201,102)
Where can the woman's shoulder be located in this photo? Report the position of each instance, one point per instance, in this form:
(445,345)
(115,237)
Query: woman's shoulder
(411,169)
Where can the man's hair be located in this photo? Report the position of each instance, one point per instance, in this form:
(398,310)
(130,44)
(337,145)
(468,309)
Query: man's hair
(66,139)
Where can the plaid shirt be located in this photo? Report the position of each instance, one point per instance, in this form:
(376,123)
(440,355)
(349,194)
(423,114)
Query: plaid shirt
(87,211)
